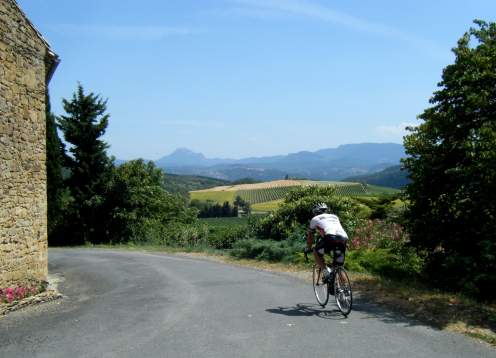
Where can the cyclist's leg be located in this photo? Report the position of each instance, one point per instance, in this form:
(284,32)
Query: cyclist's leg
(318,253)
(328,249)
(338,251)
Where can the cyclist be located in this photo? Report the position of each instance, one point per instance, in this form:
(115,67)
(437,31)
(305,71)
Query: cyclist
(332,238)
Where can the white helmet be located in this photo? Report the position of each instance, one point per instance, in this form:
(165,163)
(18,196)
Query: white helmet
(319,208)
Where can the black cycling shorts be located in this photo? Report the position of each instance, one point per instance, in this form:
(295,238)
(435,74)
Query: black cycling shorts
(336,245)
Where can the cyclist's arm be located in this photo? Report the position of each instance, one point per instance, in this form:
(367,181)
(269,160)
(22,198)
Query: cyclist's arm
(309,238)
(311,229)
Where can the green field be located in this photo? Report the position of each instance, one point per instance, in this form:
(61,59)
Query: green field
(223,222)
(267,206)
(216,196)
(380,190)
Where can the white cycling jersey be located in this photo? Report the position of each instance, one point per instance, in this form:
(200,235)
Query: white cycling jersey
(328,224)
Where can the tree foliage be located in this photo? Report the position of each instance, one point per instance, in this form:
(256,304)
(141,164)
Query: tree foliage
(140,209)
(101,203)
(242,205)
(55,154)
(89,166)
(452,164)
(212,209)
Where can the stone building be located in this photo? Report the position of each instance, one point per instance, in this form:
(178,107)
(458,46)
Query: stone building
(26,65)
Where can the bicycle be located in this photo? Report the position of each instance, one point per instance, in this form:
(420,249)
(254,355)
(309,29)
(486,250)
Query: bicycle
(339,285)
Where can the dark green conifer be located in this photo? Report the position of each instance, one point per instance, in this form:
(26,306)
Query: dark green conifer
(90,168)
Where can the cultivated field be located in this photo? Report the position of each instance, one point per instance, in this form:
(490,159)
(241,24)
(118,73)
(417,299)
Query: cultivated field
(264,185)
(218,196)
(266,196)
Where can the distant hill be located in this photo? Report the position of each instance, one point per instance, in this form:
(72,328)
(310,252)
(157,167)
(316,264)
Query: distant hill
(392,177)
(183,157)
(325,164)
(183,184)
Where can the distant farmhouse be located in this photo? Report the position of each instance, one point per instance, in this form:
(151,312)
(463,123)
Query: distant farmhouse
(26,66)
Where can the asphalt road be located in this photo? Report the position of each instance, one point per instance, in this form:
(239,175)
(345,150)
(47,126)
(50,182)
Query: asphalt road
(132,304)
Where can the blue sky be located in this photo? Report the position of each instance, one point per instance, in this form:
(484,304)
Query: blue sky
(239,78)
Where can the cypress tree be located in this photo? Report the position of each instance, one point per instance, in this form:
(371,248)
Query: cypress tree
(90,168)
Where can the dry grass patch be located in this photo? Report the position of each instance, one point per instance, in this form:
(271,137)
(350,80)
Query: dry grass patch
(441,310)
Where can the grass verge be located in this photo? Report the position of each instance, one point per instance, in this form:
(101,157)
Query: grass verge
(441,310)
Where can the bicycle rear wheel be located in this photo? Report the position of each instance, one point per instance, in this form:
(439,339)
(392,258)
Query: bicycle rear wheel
(342,291)
(320,289)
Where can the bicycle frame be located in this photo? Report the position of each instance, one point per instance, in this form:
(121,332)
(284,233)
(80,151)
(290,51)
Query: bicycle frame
(339,285)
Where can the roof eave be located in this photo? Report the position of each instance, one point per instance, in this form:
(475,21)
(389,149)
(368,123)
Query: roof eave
(53,63)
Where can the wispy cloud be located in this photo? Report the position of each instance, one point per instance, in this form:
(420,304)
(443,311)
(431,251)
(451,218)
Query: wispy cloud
(125,32)
(317,11)
(320,12)
(397,130)
(246,11)
(193,124)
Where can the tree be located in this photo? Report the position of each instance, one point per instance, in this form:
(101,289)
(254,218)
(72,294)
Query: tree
(55,154)
(226,210)
(452,165)
(139,207)
(90,168)
(241,204)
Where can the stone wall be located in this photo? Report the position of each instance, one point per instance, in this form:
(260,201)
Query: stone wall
(25,63)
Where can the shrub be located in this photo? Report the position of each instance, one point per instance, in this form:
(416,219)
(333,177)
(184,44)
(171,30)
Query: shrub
(370,234)
(404,263)
(224,238)
(268,250)
(184,235)
(217,235)
(382,247)
(296,211)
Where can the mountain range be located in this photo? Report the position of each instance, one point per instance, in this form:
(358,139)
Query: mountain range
(391,177)
(326,164)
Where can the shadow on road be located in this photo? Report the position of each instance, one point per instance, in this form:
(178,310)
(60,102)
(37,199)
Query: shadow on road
(367,310)
(308,310)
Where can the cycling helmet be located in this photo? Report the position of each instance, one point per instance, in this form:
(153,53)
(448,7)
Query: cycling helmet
(319,208)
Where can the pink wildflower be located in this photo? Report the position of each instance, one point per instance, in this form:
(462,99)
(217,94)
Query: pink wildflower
(10,297)
(20,292)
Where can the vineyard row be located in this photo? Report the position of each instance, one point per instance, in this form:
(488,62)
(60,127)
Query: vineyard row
(256,196)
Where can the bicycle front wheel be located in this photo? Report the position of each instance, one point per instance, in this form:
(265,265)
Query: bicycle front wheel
(321,289)
(342,291)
